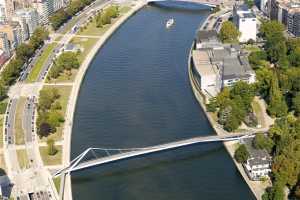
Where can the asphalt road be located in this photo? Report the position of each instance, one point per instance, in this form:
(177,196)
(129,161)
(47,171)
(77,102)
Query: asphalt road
(9,121)
(28,119)
(79,20)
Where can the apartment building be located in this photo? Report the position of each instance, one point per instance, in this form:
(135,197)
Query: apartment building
(245,21)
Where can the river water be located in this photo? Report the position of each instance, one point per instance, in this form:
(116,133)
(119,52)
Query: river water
(137,93)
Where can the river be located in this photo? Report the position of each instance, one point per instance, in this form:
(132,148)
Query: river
(137,93)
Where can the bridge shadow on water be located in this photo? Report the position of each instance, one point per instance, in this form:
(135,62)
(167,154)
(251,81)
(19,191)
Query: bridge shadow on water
(172,6)
(141,164)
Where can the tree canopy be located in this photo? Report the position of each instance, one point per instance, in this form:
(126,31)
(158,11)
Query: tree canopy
(229,33)
(241,154)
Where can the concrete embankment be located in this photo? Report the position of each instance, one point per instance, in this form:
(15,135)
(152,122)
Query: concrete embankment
(76,88)
(256,187)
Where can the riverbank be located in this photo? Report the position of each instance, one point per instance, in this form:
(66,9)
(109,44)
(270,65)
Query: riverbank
(256,187)
(76,88)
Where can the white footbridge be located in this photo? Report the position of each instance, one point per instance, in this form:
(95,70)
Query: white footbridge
(113,155)
(210,3)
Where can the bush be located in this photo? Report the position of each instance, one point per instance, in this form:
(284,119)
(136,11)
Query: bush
(3,106)
(241,154)
(51,147)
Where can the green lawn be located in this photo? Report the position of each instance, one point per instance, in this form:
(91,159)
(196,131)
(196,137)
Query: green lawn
(1,130)
(19,132)
(251,48)
(57,183)
(64,92)
(258,113)
(91,28)
(86,44)
(40,62)
(64,77)
(22,158)
(51,160)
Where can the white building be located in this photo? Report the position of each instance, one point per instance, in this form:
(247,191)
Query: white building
(24,27)
(207,74)
(2,13)
(43,9)
(245,21)
(264,6)
(216,65)
(258,164)
(31,18)
(4,43)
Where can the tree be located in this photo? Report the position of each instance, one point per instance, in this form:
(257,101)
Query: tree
(24,51)
(39,35)
(250,3)
(264,78)
(232,123)
(68,61)
(55,118)
(277,106)
(3,91)
(262,142)
(44,129)
(51,147)
(294,57)
(256,58)
(245,91)
(58,18)
(296,103)
(268,28)
(241,154)
(275,45)
(105,18)
(211,106)
(229,33)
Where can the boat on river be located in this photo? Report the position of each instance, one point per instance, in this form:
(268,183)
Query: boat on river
(170,23)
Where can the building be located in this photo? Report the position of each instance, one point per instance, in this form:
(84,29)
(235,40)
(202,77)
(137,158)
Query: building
(3,57)
(2,13)
(31,18)
(14,33)
(258,164)
(43,9)
(55,5)
(70,47)
(216,65)
(206,73)
(264,6)
(245,21)
(46,8)
(4,43)
(24,27)
(205,38)
(288,13)
(12,5)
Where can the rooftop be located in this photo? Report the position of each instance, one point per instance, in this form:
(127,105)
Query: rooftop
(242,7)
(247,15)
(255,153)
(202,62)
(206,35)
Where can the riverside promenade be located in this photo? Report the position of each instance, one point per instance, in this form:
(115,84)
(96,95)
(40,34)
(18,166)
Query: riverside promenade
(71,107)
(257,187)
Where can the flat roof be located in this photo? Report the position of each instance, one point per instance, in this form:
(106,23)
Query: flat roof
(206,35)
(247,15)
(202,62)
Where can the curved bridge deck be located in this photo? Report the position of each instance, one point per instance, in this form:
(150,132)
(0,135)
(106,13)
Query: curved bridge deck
(211,3)
(77,164)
